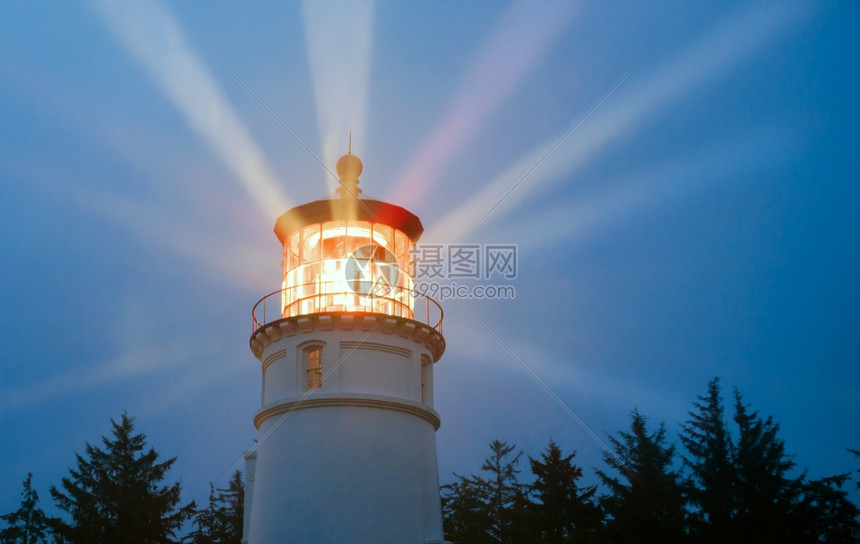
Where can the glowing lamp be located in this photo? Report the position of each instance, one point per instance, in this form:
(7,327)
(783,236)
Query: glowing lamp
(347,255)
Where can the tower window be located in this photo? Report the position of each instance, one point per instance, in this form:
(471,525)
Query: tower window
(313,367)
(426,381)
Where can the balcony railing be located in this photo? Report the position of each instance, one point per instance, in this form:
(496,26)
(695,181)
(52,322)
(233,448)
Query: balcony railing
(315,298)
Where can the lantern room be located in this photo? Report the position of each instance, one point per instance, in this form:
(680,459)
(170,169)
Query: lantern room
(347,254)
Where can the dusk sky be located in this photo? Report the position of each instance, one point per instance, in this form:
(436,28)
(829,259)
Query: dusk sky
(680,179)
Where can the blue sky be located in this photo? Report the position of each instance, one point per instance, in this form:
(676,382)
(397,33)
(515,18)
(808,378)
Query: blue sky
(700,221)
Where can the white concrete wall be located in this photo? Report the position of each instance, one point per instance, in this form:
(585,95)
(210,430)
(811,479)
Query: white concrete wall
(346,474)
(352,461)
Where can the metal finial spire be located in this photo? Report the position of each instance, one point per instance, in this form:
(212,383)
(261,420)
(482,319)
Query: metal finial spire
(349,167)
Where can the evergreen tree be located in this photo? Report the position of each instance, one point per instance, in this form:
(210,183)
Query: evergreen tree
(828,514)
(488,509)
(115,494)
(740,489)
(855,453)
(565,512)
(646,501)
(505,494)
(465,513)
(221,521)
(766,499)
(709,488)
(28,524)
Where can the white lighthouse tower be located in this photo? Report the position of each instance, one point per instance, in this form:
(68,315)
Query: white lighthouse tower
(347,446)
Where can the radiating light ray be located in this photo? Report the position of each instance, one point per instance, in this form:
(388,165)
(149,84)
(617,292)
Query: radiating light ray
(216,362)
(148,30)
(575,221)
(520,39)
(132,363)
(550,150)
(232,264)
(235,263)
(462,219)
(711,57)
(555,397)
(137,357)
(573,378)
(183,228)
(339,39)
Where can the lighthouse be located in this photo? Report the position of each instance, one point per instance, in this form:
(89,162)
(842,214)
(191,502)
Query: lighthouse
(347,447)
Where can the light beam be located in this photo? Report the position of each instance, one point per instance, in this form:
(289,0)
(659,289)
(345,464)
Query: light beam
(150,33)
(714,55)
(575,221)
(339,39)
(521,38)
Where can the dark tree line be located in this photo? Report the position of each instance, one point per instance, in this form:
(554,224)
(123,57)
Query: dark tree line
(731,483)
(116,494)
